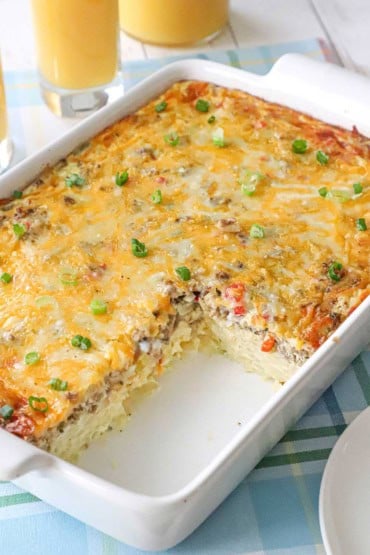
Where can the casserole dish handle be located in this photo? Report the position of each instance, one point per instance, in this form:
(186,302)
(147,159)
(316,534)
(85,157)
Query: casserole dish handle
(330,92)
(20,458)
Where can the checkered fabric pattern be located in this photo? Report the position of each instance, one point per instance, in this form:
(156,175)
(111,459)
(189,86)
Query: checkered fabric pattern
(275,509)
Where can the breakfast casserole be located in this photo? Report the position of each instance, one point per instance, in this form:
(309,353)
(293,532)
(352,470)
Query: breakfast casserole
(208,213)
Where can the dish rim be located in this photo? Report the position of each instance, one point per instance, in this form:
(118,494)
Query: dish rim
(156,83)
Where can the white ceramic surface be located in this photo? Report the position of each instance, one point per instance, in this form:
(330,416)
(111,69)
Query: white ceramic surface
(345,492)
(210,423)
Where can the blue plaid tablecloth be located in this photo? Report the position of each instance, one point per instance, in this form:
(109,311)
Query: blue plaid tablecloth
(275,509)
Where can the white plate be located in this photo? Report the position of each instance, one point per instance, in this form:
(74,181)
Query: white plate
(345,492)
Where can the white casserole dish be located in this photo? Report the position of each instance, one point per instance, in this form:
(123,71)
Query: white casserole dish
(191,443)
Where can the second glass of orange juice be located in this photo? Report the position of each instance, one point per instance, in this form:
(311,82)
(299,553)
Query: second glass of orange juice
(173,22)
(77,45)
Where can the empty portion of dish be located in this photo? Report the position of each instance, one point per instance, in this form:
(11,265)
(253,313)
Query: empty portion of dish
(106,405)
(209,213)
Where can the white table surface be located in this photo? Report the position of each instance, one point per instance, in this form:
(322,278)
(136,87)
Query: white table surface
(343,23)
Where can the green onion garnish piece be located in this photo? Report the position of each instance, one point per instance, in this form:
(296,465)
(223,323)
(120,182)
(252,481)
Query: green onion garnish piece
(6,412)
(322,158)
(248,189)
(68,278)
(138,248)
(157,196)
(6,278)
(183,272)
(202,105)
(361,224)
(45,300)
(299,146)
(19,230)
(17,194)
(323,191)
(58,385)
(161,106)
(76,340)
(357,188)
(249,181)
(333,270)
(97,306)
(218,137)
(74,180)
(339,195)
(81,342)
(257,231)
(32,358)
(172,139)
(121,178)
(211,119)
(38,404)
(85,344)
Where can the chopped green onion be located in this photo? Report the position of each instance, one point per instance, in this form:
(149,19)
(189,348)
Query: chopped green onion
(202,105)
(68,277)
(81,342)
(357,188)
(74,180)
(361,224)
(38,404)
(45,300)
(172,139)
(218,137)
(32,358)
(85,344)
(249,181)
(183,272)
(76,340)
(211,119)
(333,270)
(257,231)
(323,191)
(157,196)
(19,230)
(339,194)
(248,189)
(161,106)
(97,306)
(299,146)
(121,178)
(17,194)
(58,385)
(322,158)
(138,248)
(6,412)
(6,278)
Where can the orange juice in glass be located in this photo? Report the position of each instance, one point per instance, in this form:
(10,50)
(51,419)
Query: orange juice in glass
(77,45)
(173,22)
(5,143)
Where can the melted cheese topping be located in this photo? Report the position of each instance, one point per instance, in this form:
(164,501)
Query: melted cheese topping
(76,245)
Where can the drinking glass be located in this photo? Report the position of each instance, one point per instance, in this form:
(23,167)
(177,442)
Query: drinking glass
(173,22)
(77,46)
